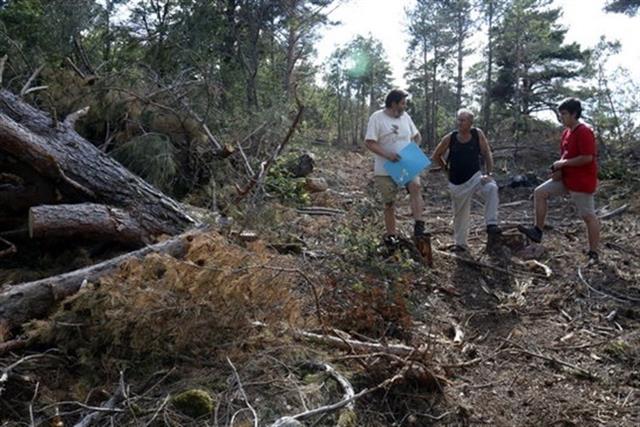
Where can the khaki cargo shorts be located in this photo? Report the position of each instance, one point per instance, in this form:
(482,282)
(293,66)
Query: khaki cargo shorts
(388,189)
(584,202)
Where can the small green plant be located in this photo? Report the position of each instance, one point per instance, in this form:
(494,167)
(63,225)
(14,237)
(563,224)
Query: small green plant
(287,188)
(359,243)
(618,349)
(193,403)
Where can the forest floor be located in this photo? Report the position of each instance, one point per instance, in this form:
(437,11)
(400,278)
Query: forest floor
(536,350)
(526,335)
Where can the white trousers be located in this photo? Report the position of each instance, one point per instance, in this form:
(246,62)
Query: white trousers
(461,196)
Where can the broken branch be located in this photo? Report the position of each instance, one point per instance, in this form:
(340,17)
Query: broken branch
(351,344)
(108,407)
(3,62)
(27,85)
(284,421)
(615,212)
(10,248)
(264,167)
(73,117)
(344,383)
(578,369)
(244,395)
(35,89)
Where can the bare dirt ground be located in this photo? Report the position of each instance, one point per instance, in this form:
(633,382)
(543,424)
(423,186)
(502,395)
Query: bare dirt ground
(527,335)
(537,350)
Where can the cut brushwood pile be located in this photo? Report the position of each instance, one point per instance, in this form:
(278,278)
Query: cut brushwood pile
(22,302)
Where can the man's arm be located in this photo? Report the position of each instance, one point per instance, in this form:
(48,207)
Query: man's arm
(442,148)
(373,145)
(485,149)
(574,161)
(417,138)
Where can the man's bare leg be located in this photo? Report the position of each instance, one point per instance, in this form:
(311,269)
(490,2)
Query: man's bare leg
(593,231)
(415,198)
(390,218)
(540,206)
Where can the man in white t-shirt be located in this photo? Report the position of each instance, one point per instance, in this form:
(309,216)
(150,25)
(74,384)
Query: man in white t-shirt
(388,132)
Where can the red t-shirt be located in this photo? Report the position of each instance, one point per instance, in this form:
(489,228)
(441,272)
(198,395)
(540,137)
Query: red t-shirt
(579,142)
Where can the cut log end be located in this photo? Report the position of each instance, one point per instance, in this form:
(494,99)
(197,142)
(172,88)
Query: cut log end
(73,117)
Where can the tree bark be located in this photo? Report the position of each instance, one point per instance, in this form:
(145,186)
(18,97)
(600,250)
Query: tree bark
(461,34)
(427,118)
(486,116)
(80,172)
(85,220)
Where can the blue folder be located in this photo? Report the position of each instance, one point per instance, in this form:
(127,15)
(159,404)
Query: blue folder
(412,162)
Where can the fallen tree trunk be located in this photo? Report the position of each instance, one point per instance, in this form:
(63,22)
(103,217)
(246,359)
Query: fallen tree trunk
(87,220)
(31,300)
(79,171)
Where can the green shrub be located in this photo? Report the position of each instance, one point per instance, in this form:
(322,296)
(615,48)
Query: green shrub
(615,168)
(283,185)
(152,157)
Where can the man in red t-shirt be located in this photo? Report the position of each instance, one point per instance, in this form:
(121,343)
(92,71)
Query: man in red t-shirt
(576,174)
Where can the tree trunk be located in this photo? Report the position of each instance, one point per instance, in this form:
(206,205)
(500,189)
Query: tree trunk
(340,117)
(85,220)
(425,67)
(78,171)
(292,48)
(486,116)
(460,45)
(434,105)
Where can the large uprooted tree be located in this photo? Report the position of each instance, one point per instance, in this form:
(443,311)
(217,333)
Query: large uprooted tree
(56,184)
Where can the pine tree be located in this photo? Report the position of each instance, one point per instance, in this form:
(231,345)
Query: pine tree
(533,62)
(629,7)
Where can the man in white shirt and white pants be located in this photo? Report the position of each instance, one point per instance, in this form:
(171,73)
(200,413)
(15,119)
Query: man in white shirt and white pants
(466,146)
(388,132)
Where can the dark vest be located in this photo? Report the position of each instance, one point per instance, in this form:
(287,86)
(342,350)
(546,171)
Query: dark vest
(464,158)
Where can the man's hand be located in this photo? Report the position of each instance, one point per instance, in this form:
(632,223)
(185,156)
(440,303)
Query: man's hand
(485,179)
(393,157)
(558,164)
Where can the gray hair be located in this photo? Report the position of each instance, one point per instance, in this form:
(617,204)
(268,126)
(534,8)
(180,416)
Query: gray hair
(465,112)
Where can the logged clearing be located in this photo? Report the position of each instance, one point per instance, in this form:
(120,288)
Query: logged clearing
(282,313)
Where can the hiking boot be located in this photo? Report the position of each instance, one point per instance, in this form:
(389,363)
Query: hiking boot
(593,258)
(534,233)
(493,229)
(418,229)
(457,249)
(390,241)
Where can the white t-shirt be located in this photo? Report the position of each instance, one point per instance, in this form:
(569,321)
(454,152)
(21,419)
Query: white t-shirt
(392,133)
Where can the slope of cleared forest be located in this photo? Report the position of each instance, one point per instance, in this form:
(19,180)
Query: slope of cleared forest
(249,325)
